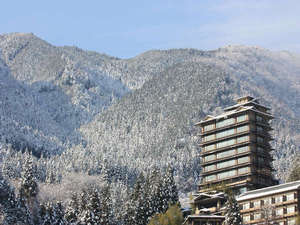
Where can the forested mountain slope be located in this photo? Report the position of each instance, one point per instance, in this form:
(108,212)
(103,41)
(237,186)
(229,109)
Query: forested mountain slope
(156,121)
(136,114)
(66,84)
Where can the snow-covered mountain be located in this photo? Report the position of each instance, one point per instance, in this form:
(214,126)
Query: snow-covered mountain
(64,86)
(141,108)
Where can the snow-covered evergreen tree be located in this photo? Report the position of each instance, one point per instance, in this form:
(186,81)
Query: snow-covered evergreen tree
(232,214)
(13,211)
(139,197)
(129,214)
(29,189)
(106,216)
(72,209)
(92,213)
(52,214)
(172,191)
(7,201)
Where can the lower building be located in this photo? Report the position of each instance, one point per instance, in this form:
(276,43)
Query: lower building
(278,204)
(208,209)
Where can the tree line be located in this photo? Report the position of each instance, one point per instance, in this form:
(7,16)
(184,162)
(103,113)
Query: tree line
(152,194)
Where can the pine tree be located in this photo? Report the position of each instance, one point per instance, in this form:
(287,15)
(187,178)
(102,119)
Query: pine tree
(169,190)
(29,189)
(52,214)
(139,197)
(295,172)
(172,188)
(7,201)
(152,195)
(130,210)
(13,211)
(72,209)
(24,211)
(106,216)
(232,214)
(93,206)
(90,207)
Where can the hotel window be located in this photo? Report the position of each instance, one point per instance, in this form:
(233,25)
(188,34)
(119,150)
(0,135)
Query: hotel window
(209,137)
(241,118)
(291,222)
(209,127)
(279,212)
(209,168)
(225,133)
(290,197)
(267,201)
(278,199)
(209,158)
(246,205)
(210,178)
(243,170)
(226,154)
(273,200)
(246,218)
(243,160)
(242,129)
(226,164)
(226,174)
(257,216)
(256,204)
(242,139)
(225,143)
(290,209)
(226,122)
(243,149)
(209,147)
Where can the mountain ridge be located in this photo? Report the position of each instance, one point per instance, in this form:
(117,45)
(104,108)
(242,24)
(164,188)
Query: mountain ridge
(143,107)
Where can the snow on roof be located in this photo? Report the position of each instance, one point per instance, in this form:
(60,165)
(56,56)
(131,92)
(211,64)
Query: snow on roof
(214,195)
(204,210)
(206,216)
(254,101)
(269,190)
(209,118)
(228,113)
(211,195)
(195,216)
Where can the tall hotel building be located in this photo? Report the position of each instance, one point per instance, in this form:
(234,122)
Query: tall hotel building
(236,147)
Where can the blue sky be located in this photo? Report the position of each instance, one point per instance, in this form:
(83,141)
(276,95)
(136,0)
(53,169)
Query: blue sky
(127,28)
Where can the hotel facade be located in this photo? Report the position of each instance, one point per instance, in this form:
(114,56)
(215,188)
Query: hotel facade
(236,147)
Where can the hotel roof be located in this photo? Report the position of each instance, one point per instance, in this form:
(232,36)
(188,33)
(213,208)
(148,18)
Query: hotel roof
(232,112)
(269,190)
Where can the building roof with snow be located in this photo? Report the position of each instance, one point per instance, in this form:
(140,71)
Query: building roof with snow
(269,191)
(226,114)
